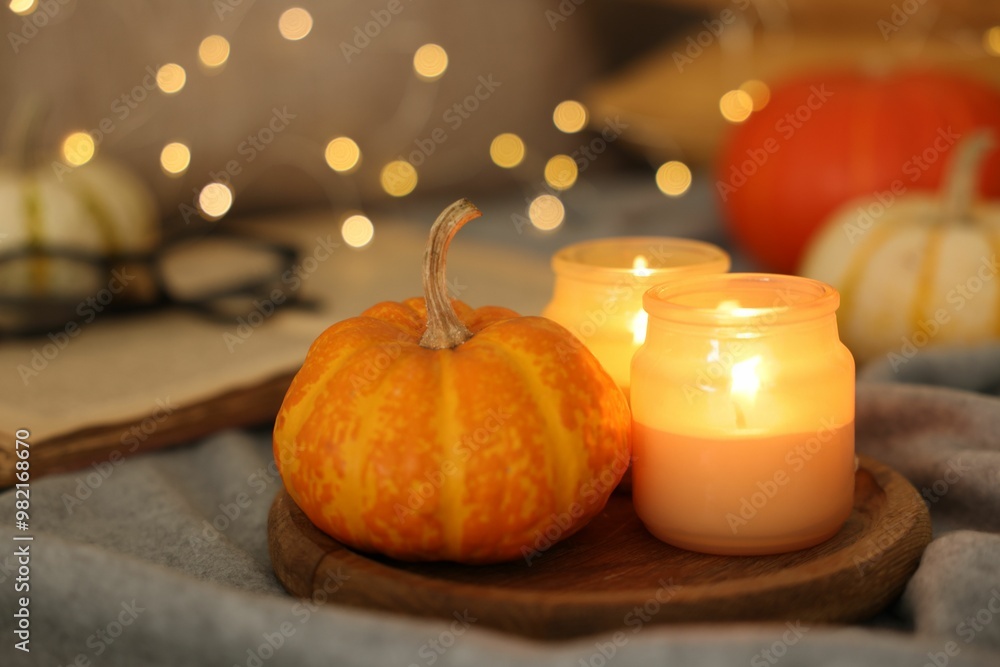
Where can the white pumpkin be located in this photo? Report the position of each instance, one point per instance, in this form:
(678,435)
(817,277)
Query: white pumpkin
(100,209)
(915,268)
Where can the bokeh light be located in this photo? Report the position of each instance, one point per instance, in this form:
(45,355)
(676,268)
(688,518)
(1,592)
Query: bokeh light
(171,78)
(295,23)
(175,158)
(570,116)
(991,40)
(357,231)
(78,148)
(758,91)
(342,155)
(561,172)
(507,150)
(398,178)
(215,200)
(736,106)
(673,178)
(546,212)
(23,7)
(213,52)
(430,62)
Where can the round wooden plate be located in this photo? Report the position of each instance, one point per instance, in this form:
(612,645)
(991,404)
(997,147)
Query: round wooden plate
(613,575)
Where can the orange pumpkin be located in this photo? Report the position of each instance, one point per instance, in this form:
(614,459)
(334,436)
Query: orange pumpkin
(426,430)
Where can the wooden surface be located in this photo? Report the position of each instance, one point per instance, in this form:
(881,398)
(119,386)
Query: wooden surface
(596,580)
(248,406)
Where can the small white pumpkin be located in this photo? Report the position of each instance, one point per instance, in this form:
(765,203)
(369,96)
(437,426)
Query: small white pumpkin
(99,209)
(915,268)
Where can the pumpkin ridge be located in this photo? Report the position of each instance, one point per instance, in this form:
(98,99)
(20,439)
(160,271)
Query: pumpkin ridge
(307,396)
(363,486)
(925,274)
(353,483)
(450,493)
(851,278)
(558,472)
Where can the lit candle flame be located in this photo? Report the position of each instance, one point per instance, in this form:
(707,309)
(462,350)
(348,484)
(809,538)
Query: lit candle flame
(639,321)
(744,386)
(640,269)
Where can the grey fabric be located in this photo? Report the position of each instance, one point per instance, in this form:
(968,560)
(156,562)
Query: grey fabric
(971,367)
(135,542)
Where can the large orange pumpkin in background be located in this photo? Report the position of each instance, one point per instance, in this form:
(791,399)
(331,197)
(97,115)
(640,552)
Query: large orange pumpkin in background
(824,140)
(426,430)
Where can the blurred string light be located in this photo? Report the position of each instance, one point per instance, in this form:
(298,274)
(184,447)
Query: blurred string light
(736,106)
(758,91)
(570,116)
(507,150)
(215,200)
(213,52)
(295,23)
(430,62)
(357,231)
(991,40)
(78,148)
(398,178)
(175,158)
(23,7)
(342,155)
(171,78)
(561,172)
(546,212)
(673,178)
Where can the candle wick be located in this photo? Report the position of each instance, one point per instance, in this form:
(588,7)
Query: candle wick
(741,418)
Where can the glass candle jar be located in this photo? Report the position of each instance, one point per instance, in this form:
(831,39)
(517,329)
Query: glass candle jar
(599,287)
(743,415)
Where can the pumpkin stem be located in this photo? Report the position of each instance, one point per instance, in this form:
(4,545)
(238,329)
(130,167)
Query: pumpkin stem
(23,128)
(962,175)
(444,328)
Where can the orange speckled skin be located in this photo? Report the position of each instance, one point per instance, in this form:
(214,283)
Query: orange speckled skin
(476,454)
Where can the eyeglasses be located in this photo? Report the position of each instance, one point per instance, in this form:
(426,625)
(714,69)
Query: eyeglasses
(219,273)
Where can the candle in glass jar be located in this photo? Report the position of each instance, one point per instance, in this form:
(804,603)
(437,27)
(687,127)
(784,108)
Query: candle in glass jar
(599,286)
(743,415)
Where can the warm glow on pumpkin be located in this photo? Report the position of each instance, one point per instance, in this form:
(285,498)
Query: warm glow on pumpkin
(175,158)
(507,150)
(295,23)
(546,212)
(213,52)
(673,178)
(398,178)
(561,172)
(342,155)
(171,78)
(78,148)
(430,62)
(570,116)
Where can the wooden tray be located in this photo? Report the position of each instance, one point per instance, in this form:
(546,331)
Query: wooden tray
(613,575)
